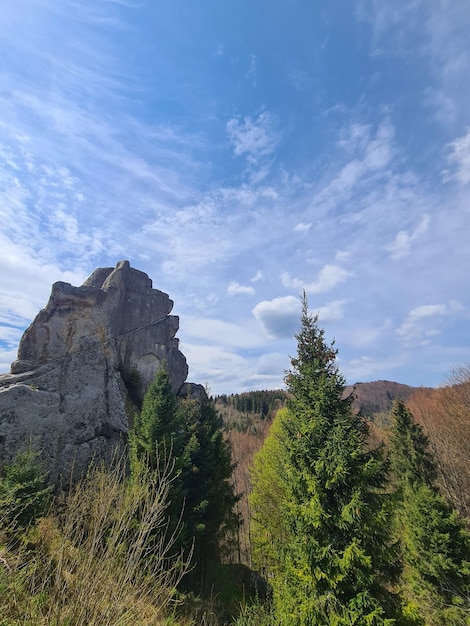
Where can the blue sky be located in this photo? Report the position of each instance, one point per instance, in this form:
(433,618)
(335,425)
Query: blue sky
(239,153)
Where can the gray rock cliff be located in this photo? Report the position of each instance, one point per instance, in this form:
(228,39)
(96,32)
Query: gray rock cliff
(66,393)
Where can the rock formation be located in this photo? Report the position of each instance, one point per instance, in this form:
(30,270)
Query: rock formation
(66,393)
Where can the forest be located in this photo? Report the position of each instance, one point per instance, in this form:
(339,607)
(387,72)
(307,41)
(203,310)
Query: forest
(287,507)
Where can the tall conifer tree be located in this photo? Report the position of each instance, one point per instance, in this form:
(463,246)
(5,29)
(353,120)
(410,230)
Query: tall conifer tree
(206,478)
(187,433)
(335,551)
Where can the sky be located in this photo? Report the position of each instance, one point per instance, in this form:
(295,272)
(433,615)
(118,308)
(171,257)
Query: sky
(241,153)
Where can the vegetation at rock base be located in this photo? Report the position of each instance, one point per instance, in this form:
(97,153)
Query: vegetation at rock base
(24,493)
(88,562)
(201,495)
(342,527)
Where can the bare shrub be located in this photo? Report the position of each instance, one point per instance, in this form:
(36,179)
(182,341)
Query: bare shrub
(104,557)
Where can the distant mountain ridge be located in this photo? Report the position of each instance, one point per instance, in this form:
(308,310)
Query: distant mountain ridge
(377,396)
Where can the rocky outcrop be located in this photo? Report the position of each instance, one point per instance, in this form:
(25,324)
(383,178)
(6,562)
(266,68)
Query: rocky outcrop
(67,393)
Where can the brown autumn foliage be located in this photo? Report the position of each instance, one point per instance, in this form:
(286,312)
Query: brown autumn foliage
(444,414)
(244,446)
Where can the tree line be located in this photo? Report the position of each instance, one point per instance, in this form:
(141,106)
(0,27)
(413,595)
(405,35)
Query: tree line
(262,403)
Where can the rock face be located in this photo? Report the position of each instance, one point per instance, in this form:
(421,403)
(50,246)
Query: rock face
(67,393)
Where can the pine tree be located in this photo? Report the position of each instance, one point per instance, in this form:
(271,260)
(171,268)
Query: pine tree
(335,553)
(409,449)
(435,543)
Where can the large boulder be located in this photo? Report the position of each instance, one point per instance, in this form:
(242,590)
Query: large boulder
(68,391)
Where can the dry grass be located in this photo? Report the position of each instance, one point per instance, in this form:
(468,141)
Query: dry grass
(103,557)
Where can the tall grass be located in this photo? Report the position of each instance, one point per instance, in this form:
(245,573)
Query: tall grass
(102,557)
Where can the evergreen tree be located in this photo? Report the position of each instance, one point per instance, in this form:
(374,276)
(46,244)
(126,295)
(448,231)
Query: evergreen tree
(335,552)
(157,441)
(188,434)
(208,515)
(157,431)
(409,449)
(24,492)
(434,540)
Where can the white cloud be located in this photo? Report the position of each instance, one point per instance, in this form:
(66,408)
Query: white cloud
(222,369)
(401,246)
(331,312)
(302,228)
(354,136)
(434,35)
(256,139)
(369,158)
(235,288)
(328,277)
(279,317)
(257,277)
(217,332)
(420,323)
(460,158)
(367,367)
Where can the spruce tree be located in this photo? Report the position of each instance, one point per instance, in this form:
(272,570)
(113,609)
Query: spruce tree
(208,515)
(332,564)
(156,431)
(434,540)
(187,434)
(156,441)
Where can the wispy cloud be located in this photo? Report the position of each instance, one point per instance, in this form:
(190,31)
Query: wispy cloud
(401,246)
(255,139)
(235,288)
(422,322)
(251,73)
(328,277)
(434,35)
(302,228)
(459,157)
(139,134)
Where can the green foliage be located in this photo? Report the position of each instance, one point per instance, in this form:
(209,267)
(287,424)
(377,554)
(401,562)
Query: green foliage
(206,472)
(333,558)
(259,402)
(435,543)
(23,492)
(201,497)
(156,432)
(411,460)
(88,562)
(256,614)
(268,500)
